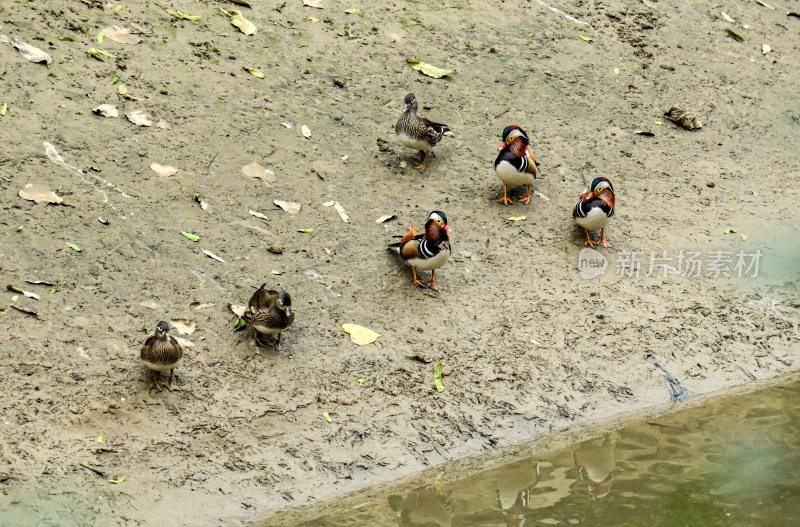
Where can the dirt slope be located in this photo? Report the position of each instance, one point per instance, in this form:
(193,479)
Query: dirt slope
(527,344)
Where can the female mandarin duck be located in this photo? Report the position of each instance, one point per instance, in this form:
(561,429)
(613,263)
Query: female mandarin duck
(595,208)
(161,352)
(428,251)
(269,312)
(417,132)
(516,164)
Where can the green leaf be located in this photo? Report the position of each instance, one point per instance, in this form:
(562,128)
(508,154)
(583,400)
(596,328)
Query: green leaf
(730,230)
(182,16)
(736,36)
(52,291)
(4,109)
(584,38)
(114,80)
(99,54)
(67,38)
(74,246)
(327,416)
(191,236)
(437,377)
(117,481)
(354,11)
(195,303)
(306,231)
(100,37)
(254,72)
(428,69)
(349,35)
(240,323)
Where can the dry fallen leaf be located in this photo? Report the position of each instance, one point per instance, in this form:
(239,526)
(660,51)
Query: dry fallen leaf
(360,335)
(141,29)
(342,213)
(256,170)
(163,170)
(386,218)
(241,23)
(306,131)
(184,327)
(213,256)
(185,343)
(39,194)
(288,206)
(31,53)
(313,3)
(139,118)
(237,309)
(120,35)
(765,48)
(106,110)
(22,291)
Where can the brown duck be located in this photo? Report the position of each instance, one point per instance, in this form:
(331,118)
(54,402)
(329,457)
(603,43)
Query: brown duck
(269,312)
(417,132)
(161,352)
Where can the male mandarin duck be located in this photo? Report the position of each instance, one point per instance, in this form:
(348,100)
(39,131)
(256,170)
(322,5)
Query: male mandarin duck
(516,164)
(595,208)
(417,132)
(428,251)
(161,352)
(269,312)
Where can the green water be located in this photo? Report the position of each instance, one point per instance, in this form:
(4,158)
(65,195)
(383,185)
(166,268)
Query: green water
(734,462)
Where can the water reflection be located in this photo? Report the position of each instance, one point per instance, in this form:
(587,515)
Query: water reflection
(596,465)
(735,462)
(423,507)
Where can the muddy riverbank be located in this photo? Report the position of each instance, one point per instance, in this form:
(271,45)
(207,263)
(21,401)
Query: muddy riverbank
(528,345)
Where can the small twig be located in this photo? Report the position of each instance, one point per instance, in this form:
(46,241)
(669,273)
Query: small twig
(752,377)
(212,161)
(95,470)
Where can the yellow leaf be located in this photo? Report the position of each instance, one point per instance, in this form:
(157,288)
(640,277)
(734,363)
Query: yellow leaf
(428,69)
(517,218)
(360,335)
(101,438)
(240,22)
(254,72)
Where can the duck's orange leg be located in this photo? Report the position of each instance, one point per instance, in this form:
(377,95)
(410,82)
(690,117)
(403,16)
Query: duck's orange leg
(527,198)
(432,284)
(589,242)
(505,200)
(416,280)
(603,240)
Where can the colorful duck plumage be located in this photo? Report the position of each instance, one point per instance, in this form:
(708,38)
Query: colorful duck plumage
(516,163)
(429,250)
(594,208)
